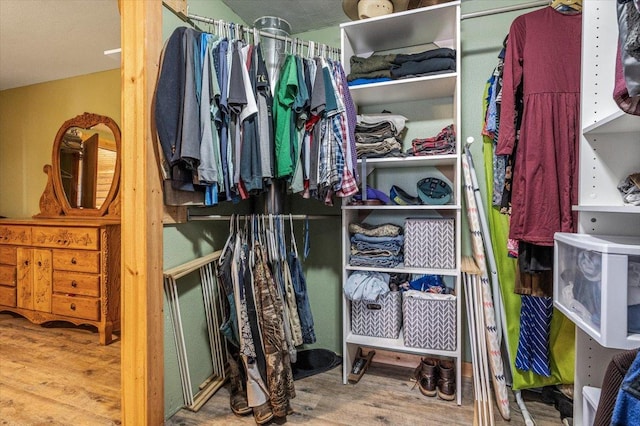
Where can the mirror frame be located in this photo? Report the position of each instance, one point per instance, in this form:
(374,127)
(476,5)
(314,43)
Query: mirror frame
(54,202)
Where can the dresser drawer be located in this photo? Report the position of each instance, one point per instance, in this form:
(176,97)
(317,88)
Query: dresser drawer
(8,255)
(20,235)
(77,307)
(74,238)
(76,260)
(8,275)
(76,283)
(7,296)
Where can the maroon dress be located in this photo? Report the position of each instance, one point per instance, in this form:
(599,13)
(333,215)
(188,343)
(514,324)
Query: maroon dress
(543,53)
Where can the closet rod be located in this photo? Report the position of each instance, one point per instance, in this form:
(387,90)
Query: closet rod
(504,9)
(216,217)
(204,19)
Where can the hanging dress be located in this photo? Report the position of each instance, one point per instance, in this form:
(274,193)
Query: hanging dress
(543,52)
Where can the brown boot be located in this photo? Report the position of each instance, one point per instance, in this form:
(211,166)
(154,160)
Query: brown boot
(237,393)
(446,380)
(426,376)
(262,413)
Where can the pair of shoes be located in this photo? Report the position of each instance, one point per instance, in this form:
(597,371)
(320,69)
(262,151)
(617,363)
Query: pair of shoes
(436,377)
(262,413)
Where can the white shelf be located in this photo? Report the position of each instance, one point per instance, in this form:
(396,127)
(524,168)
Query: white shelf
(591,399)
(412,31)
(630,342)
(591,395)
(396,345)
(414,161)
(608,209)
(421,207)
(437,24)
(401,269)
(618,122)
(405,90)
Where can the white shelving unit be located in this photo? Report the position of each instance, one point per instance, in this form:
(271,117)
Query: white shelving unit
(609,151)
(430,103)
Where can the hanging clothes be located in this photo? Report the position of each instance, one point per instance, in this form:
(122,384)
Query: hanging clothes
(267,313)
(223,132)
(543,52)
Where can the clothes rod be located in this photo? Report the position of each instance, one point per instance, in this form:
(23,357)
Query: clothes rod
(217,217)
(504,9)
(206,20)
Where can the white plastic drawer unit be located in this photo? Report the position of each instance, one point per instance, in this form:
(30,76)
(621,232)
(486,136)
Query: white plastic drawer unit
(596,283)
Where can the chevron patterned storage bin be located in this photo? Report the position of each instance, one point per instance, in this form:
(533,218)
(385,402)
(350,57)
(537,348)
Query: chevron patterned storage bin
(430,243)
(429,323)
(380,318)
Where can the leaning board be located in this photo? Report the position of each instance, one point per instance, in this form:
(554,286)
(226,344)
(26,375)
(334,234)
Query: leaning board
(493,340)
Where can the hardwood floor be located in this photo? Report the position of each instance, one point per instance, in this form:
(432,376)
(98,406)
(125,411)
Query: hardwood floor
(59,375)
(384,396)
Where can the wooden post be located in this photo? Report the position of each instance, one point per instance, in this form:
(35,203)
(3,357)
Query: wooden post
(142,319)
(179,7)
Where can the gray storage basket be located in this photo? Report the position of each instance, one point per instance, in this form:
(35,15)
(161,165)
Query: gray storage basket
(380,318)
(430,243)
(429,323)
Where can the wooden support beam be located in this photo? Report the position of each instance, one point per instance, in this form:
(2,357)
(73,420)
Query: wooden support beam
(142,209)
(179,7)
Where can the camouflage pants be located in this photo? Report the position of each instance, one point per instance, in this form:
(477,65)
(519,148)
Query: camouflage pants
(269,306)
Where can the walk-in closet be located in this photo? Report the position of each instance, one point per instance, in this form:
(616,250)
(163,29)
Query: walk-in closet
(338,212)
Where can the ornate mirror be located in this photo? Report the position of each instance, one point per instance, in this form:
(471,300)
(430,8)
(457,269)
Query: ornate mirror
(84,177)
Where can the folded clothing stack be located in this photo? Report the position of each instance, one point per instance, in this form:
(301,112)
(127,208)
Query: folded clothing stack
(441,144)
(432,61)
(379,135)
(376,245)
(391,66)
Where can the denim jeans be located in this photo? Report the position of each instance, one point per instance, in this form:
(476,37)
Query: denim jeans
(361,243)
(302,299)
(376,261)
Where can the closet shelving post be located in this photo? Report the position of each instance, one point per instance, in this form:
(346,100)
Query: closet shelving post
(609,151)
(430,103)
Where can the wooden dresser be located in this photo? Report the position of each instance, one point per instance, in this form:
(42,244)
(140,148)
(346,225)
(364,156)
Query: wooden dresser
(62,269)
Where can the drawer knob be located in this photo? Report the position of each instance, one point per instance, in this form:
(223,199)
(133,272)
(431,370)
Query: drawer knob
(26,263)
(73,306)
(73,261)
(39,263)
(74,283)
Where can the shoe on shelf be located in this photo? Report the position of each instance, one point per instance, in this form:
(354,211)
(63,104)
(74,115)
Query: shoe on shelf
(360,365)
(426,375)
(402,198)
(446,388)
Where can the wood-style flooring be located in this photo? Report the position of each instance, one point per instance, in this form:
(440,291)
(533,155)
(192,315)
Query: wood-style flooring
(59,375)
